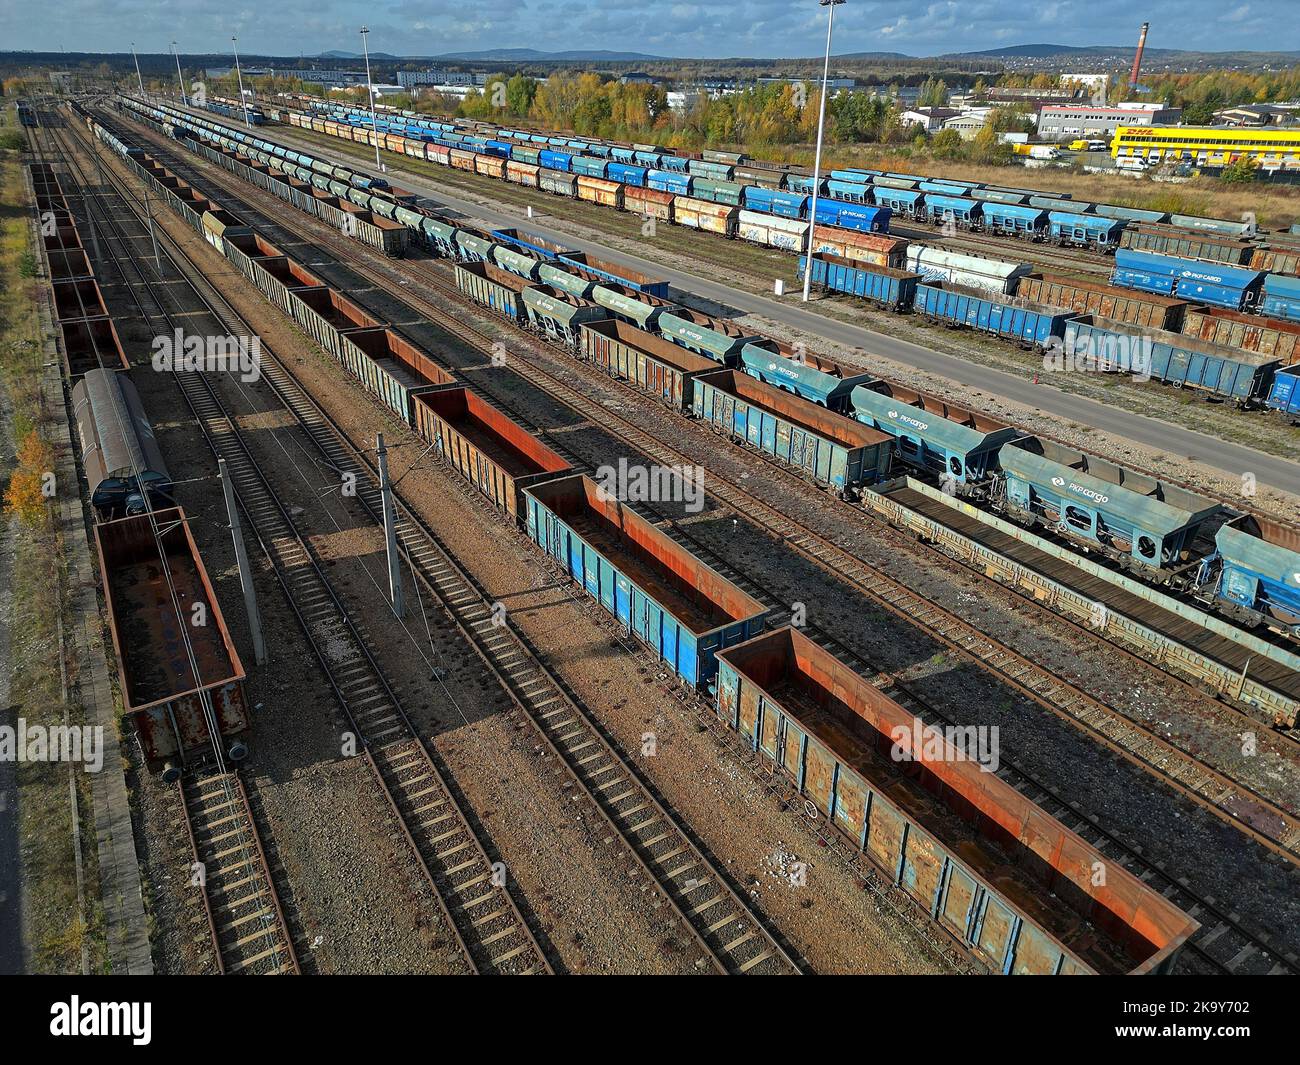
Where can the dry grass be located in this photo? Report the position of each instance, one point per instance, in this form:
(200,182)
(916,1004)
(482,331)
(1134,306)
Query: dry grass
(55,929)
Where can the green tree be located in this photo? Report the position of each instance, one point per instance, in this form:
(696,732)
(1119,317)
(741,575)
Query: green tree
(947,144)
(1239,171)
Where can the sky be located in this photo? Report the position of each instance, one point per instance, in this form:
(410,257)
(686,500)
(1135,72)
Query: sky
(699,28)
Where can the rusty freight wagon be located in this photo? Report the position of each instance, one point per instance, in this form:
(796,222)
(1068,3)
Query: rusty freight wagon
(1092,297)
(391,368)
(649,203)
(163,695)
(598,190)
(92,344)
(1005,879)
(645,360)
(327,314)
(680,608)
(1274,337)
(493,287)
(493,453)
(831,449)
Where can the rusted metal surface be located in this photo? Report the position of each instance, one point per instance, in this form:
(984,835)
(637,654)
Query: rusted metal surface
(91,344)
(1013,884)
(1092,297)
(154,635)
(1274,337)
(78,298)
(487,448)
(391,368)
(645,360)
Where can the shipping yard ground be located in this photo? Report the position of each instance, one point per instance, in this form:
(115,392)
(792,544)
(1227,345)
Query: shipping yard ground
(1146,425)
(600,917)
(353,894)
(712,790)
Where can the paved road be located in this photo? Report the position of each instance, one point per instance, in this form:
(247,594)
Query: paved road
(1233,459)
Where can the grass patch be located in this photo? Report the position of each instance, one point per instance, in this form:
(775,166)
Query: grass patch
(55,930)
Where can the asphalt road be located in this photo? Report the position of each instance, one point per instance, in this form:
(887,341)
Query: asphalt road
(1233,459)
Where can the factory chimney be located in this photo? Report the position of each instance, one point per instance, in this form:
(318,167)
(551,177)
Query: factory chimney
(1137,59)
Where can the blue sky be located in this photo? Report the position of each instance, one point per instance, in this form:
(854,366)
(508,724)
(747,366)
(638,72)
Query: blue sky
(662,27)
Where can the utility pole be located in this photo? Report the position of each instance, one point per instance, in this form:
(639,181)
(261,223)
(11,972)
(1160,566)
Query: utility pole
(239,74)
(370,90)
(830,6)
(245,574)
(138,76)
(179,76)
(390,529)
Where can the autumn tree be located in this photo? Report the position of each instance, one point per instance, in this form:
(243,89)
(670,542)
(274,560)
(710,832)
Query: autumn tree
(25,497)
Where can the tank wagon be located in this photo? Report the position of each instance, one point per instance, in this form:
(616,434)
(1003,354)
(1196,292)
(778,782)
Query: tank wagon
(124,465)
(148,563)
(965,846)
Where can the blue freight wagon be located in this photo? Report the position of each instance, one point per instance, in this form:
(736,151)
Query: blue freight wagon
(931,435)
(1280,297)
(799,183)
(1129,515)
(775,202)
(1259,571)
(961,210)
(627,173)
(707,336)
(1242,376)
(835,451)
(553,160)
(588,166)
(849,191)
(910,203)
(1018,220)
(943,188)
(1028,323)
(998,196)
(669,181)
(808,376)
(1284,396)
(891,288)
(1083,230)
(1234,287)
(658,591)
(858,216)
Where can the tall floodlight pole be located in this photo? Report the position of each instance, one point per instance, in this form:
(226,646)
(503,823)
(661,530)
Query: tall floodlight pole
(370,89)
(234,44)
(830,6)
(180,77)
(138,76)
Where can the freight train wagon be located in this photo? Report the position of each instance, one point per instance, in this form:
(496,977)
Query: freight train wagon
(656,590)
(828,448)
(1258,564)
(957,446)
(1135,519)
(1010,317)
(645,360)
(125,469)
(1016,887)
(148,564)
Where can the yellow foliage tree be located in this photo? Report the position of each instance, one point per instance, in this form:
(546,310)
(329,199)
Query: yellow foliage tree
(25,496)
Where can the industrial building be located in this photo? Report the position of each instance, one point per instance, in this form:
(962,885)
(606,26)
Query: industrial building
(409,79)
(1064,122)
(1208,145)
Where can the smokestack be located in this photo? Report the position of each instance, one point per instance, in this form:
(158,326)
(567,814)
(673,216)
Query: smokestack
(1137,59)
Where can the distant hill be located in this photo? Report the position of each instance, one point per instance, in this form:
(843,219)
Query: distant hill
(508,55)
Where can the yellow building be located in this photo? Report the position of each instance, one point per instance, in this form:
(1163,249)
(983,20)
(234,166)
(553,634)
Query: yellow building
(1208,145)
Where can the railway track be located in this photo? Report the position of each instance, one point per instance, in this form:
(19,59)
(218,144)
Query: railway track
(1222,945)
(730,935)
(240,903)
(478,910)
